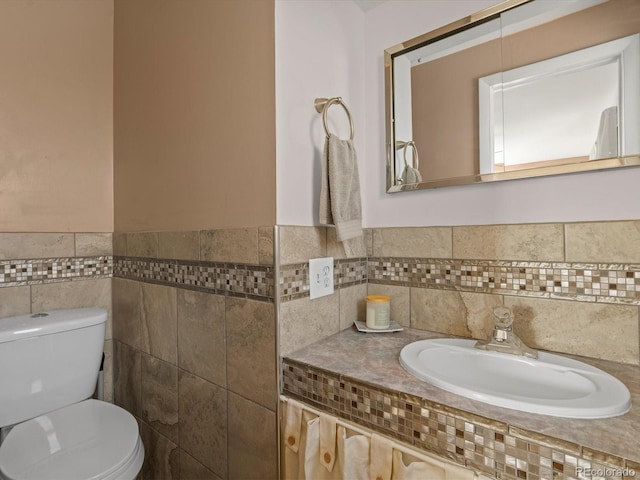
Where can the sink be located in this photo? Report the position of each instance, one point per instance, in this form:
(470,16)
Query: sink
(549,385)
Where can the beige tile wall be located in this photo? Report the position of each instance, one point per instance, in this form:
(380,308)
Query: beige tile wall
(592,326)
(581,326)
(51,295)
(304,321)
(229,245)
(198,370)
(194,344)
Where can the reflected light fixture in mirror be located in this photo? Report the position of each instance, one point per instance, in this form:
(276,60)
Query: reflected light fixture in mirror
(478,97)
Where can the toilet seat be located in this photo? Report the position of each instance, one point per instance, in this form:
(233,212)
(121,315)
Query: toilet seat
(89,440)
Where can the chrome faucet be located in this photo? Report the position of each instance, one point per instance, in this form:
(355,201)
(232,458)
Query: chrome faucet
(503,339)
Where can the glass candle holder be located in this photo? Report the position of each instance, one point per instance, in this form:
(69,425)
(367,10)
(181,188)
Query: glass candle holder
(378,311)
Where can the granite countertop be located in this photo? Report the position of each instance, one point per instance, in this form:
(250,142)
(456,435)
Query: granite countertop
(373,358)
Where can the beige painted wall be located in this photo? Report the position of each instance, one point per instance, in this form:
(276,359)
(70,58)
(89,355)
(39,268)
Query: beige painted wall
(56,97)
(194,114)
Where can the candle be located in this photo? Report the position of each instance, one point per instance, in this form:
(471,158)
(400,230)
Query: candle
(378,311)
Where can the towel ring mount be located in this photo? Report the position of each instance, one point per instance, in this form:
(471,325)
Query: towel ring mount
(322,106)
(404,146)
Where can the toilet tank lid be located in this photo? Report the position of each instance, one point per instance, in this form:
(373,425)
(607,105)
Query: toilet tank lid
(47,323)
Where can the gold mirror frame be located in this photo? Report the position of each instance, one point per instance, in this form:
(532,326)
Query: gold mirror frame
(441,33)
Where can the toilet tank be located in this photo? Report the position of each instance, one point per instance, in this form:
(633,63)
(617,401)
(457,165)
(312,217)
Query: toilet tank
(48,360)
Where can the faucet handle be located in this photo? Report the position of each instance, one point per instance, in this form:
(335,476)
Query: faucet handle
(503,317)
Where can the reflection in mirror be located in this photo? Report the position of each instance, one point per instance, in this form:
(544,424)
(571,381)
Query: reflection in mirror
(593,94)
(410,173)
(526,89)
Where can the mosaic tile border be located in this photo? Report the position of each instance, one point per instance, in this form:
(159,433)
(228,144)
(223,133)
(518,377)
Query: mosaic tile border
(294,279)
(255,282)
(605,283)
(15,273)
(485,445)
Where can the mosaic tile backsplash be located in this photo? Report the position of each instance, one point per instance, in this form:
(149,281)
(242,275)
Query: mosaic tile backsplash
(606,283)
(575,281)
(249,281)
(15,273)
(294,279)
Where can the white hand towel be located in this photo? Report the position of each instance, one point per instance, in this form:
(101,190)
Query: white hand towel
(606,145)
(340,202)
(292,424)
(327,441)
(381,454)
(410,175)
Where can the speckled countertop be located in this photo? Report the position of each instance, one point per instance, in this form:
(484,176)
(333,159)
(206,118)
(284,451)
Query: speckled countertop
(373,359)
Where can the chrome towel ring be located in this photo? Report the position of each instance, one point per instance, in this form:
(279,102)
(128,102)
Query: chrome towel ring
(404,146)
(411,144)
(322,106)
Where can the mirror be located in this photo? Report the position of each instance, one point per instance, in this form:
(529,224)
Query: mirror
(523,89)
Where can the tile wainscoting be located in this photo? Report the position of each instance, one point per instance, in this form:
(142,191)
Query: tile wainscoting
(51,271)
(574,288)
(187,305)
(195,350)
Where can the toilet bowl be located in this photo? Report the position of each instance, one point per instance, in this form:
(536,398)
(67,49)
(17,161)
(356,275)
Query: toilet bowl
(89,440)
(49,365)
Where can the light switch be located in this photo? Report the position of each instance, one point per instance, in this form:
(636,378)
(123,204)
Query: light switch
(320,277)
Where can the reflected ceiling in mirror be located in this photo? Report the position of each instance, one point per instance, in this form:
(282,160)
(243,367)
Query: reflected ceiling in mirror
(526,88)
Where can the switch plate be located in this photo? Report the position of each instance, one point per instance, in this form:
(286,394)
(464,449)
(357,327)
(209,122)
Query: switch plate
(320,277)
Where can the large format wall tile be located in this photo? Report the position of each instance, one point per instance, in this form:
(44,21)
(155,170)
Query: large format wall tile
(400,301)
(232,245)
(107,381)
(120,244)
(299,244)
(335,248)
(36,245)
(127,311)
(142,244)
(127,390)
(591,329)
(191,469)
(15,301)
(353,305)
(253,451)
(203,422)
(305,321)
(603,242)
(179,245)
(74,294)
(161,456)
(201,335)
(539,242)
(160,396)
(94,244)
(251,350)
(265,246)
(456,313)
(422,242)
(160,322)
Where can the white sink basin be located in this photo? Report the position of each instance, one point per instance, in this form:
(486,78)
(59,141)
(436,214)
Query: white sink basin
(551,385)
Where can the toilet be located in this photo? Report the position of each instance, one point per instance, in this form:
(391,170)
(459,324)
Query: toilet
(50,427)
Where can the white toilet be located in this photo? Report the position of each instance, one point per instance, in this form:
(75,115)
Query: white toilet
(51,430)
